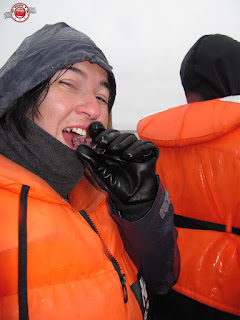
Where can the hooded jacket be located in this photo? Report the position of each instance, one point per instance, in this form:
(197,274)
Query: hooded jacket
(44,53)
(199,166)
(68,260)
(211,67)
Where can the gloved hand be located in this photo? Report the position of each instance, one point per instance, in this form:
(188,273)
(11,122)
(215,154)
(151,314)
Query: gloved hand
(121,164)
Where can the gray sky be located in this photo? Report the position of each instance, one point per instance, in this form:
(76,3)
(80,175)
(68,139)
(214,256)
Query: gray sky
(144,41)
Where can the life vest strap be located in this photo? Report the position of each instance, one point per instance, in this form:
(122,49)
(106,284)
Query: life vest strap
(190,223)
(22,255)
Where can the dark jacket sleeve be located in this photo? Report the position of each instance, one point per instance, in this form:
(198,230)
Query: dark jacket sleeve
(151,242)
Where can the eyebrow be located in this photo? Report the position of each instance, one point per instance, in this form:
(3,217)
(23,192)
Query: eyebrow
(105,84)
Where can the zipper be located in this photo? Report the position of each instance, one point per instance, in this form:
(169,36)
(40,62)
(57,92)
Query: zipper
(108,254)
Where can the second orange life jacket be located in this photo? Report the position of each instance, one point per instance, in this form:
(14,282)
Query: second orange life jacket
(199,165)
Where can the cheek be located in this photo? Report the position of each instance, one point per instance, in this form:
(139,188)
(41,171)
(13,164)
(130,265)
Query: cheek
(104,117)
(48,117)
(53,109)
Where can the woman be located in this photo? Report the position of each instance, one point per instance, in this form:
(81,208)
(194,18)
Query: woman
(62,252)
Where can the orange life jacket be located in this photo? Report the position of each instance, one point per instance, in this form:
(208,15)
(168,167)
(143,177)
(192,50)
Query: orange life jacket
(70,272)
(199,165)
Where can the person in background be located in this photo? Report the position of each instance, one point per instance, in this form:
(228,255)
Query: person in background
(86,225)
(199,165)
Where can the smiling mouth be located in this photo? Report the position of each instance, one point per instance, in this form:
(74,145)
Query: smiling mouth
(74,137)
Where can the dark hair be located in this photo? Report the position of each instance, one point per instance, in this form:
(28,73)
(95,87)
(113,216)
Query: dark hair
(29,102)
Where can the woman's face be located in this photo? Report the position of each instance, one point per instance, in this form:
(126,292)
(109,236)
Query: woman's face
(76,98)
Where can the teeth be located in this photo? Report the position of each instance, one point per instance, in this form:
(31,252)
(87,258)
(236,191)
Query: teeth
(76,130)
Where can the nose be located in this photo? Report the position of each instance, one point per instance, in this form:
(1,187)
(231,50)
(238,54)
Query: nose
(89,106)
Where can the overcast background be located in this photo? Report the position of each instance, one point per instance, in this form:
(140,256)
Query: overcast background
(144,41)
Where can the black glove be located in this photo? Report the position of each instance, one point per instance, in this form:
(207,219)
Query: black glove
(122,165)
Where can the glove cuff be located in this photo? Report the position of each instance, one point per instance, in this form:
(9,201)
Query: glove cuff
(133,212)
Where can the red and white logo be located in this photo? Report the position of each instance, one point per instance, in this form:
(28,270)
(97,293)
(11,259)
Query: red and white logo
(20,12)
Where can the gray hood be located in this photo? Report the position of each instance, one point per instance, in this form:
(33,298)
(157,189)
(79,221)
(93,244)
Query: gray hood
(41,55)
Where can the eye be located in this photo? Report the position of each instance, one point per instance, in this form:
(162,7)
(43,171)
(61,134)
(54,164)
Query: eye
(67,83)
(102,100)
